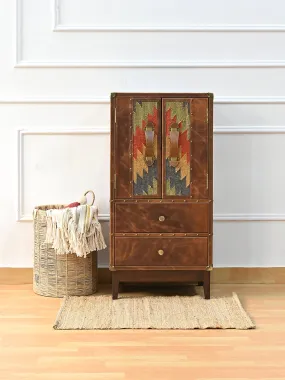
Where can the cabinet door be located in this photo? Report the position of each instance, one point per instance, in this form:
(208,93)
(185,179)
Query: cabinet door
(138,147)
(185,147)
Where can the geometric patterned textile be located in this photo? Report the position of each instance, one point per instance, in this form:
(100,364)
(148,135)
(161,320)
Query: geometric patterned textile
(144,176)
(178,178)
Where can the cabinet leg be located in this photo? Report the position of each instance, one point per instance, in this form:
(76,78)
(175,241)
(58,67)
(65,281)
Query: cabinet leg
(115,285)
(207,285)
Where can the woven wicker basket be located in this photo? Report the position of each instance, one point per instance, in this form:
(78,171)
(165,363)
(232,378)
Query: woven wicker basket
(60,275)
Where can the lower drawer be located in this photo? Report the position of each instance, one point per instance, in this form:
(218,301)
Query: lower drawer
(144,251)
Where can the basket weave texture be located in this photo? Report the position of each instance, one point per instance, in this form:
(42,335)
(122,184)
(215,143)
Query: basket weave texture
(60,275)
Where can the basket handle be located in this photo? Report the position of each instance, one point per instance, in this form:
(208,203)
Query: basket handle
(93,196)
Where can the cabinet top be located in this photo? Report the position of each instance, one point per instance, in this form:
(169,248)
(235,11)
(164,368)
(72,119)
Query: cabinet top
(164,94)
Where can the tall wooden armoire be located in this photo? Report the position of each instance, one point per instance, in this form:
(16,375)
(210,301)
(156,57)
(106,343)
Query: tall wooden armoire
(161,201)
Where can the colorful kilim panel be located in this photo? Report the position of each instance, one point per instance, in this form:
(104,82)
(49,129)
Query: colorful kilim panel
(178,177)
(144,176)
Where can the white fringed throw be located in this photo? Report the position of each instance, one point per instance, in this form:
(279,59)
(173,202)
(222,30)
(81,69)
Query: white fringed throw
(74,230)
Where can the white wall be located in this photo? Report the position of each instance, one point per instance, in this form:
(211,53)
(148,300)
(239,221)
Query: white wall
(61,59)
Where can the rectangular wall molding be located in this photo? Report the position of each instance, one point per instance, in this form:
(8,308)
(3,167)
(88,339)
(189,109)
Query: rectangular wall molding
(249,217)
(144,64)
(106,100)
(249,130)
(190,28)
(20,216)
(217,218)
(217,130)
(56,26)
(49,100)
(106,130)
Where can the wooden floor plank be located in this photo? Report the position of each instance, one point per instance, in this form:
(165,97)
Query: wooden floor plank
(31,349)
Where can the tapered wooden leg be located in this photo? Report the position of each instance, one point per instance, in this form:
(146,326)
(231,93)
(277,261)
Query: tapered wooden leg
(115,285)
(207,285)
(200,283)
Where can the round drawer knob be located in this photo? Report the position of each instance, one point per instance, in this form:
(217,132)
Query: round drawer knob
(160,252)
(161,218)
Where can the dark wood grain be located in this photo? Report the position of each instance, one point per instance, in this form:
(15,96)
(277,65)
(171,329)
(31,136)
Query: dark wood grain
(152,277)
(162,234)
(177,252)
(144,217)
(123,159)
(186,234)
(210,171)
(161,268)
(210,147)
(207,285)
(157,276)
(115,285)
(199,148)
(147,95)
(112,185)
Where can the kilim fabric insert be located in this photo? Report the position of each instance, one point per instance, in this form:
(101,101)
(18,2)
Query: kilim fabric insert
(178,178)
(144,177)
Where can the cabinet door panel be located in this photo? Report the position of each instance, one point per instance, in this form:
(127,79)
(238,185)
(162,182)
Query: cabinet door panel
(185,147)
(200,148)
(137,147)
(122,158)
(176,155)
(146,148)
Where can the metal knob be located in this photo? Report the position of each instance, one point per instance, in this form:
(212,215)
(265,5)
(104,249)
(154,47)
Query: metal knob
(161,218)
(160,252)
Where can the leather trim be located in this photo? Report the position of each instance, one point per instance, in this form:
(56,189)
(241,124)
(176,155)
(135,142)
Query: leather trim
(174,150)
(149,137)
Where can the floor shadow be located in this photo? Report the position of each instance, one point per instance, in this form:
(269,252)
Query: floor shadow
(160,290)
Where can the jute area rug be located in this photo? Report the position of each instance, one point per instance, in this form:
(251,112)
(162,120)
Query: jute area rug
(100,312)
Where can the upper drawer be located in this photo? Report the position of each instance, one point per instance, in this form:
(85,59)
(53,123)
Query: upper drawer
(161,217)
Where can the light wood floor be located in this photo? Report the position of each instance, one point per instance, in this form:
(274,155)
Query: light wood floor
(31,349)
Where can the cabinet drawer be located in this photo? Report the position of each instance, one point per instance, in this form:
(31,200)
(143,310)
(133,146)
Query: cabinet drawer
(161,217)
(167,252)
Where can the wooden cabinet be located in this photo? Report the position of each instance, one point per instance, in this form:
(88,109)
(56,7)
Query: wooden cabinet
(161,196)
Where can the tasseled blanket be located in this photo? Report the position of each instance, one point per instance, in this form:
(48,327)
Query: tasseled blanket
(74,230)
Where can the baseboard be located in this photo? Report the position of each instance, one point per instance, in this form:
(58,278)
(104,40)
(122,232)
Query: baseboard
(275,275)
(18,276)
